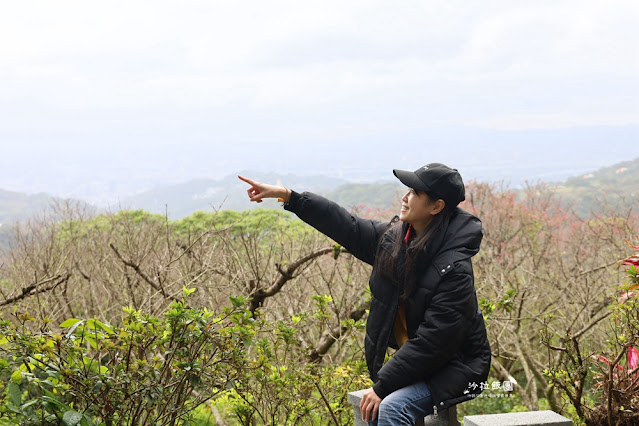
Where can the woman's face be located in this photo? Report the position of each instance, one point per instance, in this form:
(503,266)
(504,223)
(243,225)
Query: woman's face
(417,209)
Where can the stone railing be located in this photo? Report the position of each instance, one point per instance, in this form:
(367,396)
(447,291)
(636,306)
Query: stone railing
(449,417)
(529,418)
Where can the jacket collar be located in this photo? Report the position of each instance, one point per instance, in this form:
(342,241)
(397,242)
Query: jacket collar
(459,240)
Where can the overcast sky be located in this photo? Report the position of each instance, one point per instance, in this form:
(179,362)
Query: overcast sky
(118,85)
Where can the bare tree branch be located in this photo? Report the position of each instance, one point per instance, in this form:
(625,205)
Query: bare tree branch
(138,270)
(32,290)
(504,375)
(330,337)
(328,405)
(590,271)
(287,274)
(591,324)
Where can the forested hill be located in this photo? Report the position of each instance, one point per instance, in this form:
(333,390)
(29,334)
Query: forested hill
(609,188)
(16,206)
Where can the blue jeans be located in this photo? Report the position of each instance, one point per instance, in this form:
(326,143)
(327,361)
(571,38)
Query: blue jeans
(404,406)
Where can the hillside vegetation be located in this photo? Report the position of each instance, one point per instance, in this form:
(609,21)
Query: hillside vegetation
(367,195)
(254,318)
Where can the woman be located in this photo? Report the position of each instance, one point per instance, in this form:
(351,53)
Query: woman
(423,300)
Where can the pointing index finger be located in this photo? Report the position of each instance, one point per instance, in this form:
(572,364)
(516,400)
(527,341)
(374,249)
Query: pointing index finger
(247,180)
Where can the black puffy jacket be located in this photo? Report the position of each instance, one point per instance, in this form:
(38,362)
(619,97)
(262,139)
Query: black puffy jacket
(447,345)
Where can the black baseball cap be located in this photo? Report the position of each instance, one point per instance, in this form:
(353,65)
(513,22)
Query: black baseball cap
(436,179)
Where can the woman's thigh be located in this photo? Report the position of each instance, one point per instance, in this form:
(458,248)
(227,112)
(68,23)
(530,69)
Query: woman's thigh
(405,405)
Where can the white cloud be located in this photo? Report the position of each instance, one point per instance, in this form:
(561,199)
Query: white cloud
(515,63)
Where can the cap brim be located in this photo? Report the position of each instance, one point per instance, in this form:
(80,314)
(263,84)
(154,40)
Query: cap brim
(410,179)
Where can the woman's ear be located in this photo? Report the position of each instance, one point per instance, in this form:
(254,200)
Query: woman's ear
(437,206)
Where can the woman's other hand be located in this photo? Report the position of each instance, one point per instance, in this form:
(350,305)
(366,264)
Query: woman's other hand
(258,191)
(369,406)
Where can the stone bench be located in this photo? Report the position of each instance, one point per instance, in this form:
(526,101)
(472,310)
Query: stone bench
(443,418)
(526,418)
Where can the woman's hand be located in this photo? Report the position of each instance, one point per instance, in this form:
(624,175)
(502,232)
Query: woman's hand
(258,191)
(369,406)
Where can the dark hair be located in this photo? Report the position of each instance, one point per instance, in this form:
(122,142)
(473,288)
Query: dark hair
(419,252)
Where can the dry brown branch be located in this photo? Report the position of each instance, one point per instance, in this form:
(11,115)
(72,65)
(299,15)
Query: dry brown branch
(219,421)
(611,368)
(138,270)
(328,405)
(34,289)
(503,375)
(598,268)
(591,324)
(330,337)
(531,383)
(285,275)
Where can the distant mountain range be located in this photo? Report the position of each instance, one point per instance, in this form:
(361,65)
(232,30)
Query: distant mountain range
(228,193)
(614,186)
(16,205)
(112,169)
(609,187)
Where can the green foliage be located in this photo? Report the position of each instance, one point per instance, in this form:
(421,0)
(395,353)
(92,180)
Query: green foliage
(493,401)
(148,370)
(117,221)
(374,195)
(280,386)
(505,303)
(159,370)
(169,368)
(259,221)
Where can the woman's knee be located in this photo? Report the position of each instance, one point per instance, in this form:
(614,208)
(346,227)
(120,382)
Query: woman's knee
(392,409)
(405,405)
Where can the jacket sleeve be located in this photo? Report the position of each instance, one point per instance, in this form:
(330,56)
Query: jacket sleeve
(358,236)
(437,339)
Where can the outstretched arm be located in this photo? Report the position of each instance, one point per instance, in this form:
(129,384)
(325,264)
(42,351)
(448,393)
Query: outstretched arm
(359,236)
(258,191)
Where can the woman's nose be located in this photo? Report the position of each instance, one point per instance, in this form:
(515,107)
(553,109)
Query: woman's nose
(405,197)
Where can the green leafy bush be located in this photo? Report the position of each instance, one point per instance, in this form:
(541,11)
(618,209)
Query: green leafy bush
(148,370)
(279,384)
(159,370)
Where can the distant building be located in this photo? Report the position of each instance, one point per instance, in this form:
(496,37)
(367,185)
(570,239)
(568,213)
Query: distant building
(621,170)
